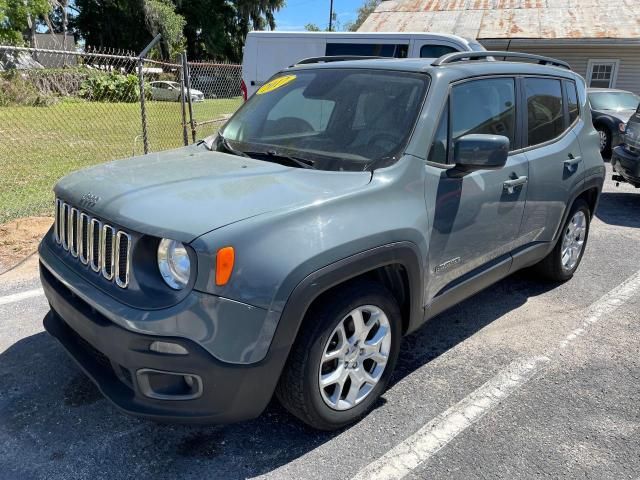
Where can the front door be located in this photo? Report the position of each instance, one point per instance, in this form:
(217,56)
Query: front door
(476,216)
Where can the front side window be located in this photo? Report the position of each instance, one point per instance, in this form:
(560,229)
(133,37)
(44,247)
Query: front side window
(435,51)
(368,49)
(486,106)
(545,114)
(337,119)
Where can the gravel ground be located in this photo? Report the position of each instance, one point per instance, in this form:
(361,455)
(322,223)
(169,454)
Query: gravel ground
(578,417)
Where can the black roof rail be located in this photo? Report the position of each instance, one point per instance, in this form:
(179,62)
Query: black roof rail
(458,56)
(335,58)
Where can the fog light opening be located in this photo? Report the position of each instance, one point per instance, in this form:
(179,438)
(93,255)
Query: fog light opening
(169,385)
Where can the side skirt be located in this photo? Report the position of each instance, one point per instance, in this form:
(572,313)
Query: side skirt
(486,276)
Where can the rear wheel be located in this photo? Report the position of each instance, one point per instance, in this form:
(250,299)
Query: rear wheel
(564,259)
(343,357)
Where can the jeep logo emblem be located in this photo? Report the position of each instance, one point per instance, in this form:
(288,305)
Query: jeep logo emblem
(89,200)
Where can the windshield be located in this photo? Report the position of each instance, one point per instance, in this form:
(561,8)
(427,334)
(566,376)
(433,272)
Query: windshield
(339,119)
(614,100)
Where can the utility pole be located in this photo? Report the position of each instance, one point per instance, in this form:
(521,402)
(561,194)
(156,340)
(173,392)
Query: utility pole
(331,16)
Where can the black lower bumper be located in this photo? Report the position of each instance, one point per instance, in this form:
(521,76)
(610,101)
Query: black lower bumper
(626,165)
(114,357)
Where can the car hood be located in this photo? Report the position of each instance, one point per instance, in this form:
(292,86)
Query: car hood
(184,193)
(622,115)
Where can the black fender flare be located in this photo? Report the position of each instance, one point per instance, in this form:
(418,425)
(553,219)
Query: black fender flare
(606,121)
(404,253)
(595,181)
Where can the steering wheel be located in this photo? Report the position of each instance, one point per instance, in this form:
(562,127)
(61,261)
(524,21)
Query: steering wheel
(384,141)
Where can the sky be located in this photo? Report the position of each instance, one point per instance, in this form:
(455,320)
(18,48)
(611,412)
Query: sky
(297,13)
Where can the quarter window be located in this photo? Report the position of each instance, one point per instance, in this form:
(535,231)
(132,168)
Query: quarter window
(439,147)
(545,115)
(572,101)
(486,106)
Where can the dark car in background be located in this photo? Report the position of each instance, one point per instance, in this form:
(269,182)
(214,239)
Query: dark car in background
(610,111)
(626,157)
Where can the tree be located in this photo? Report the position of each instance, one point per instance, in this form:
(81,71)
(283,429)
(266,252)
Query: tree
(210,28)
(18,19)
(218,28)
(161,17)
(364,11)
(312,27)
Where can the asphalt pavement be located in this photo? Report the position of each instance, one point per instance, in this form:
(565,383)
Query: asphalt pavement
(524,380)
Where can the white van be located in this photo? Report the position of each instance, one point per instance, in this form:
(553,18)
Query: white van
(266,53)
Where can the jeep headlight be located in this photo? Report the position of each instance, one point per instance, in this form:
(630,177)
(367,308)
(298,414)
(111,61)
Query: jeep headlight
(174,263)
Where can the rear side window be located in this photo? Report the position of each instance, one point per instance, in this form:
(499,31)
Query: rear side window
(368,49)
(545,113)
(486,106)
(435,51)
(572,101)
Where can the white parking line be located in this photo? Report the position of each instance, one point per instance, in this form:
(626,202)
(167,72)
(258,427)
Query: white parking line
(17,297)
(402,459)
(435,435)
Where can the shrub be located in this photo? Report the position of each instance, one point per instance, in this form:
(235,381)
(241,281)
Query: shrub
(112,87)
(16,89)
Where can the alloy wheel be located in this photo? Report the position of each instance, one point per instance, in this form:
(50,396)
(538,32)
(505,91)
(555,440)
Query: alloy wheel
(603,140)
(573,240)
(354,358)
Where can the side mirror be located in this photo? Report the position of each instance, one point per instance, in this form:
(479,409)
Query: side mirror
(480,152)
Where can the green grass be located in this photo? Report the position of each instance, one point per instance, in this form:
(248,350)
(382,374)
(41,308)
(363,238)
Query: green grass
(38,145)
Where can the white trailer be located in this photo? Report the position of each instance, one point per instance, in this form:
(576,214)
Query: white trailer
(266,53)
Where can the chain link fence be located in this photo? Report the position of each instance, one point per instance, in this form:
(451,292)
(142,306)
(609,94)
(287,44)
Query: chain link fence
(61,111)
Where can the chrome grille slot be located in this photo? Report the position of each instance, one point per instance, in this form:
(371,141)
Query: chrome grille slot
(108,233)
(94,244)
(123,245)
(102,247)
(64,228)
(58,222)
(74,218)
(84,251)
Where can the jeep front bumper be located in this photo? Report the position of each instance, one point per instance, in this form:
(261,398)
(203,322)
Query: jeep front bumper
(193,387)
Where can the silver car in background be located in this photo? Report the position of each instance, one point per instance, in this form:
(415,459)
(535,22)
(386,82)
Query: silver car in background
(170,91)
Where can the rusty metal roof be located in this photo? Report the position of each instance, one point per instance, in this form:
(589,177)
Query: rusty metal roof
(485,19)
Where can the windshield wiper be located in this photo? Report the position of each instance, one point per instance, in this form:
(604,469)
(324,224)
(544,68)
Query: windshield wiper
(227,146)
(272,155)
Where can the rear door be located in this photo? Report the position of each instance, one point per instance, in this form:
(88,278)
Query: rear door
(556,170)
(476,217)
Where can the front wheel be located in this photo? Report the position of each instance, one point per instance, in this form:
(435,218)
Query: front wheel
(563,261)
(343,357)
(605,141)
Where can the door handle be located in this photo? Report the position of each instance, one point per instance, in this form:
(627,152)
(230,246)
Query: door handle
(510,185)
(572,162)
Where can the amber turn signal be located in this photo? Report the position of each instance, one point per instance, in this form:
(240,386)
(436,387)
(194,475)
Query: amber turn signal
(224,265)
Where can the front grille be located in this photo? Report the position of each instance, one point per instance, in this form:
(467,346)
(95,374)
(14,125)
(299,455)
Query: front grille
(96,244)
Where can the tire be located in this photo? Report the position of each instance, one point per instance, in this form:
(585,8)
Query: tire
(299,389)
(552,266)
(605,141)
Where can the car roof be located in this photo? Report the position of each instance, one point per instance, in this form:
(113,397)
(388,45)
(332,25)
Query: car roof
(458,69)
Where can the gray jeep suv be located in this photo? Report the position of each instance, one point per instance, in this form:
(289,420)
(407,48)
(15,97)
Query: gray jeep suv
(344,205)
